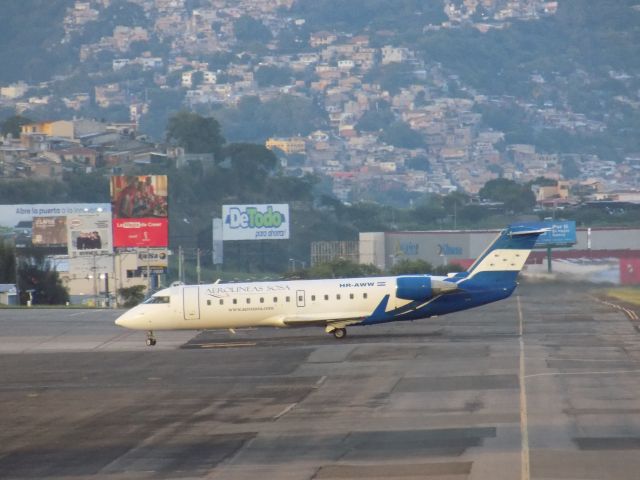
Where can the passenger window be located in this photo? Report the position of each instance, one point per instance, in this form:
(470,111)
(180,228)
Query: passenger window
(275,299)
(287,299)
(351,296)
(326,297)
(235,301)
(300,298)
(338,297)
(248,300)
(208,302)
(261,299)
(364,295)
(313,298)
(221,302)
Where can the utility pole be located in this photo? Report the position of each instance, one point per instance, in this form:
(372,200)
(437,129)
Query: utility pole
(106,290)
(115,280)
(198,265)
(95,282)
(148,273)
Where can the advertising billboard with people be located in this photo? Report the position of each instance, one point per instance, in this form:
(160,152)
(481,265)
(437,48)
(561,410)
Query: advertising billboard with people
(140,210)
(89,234)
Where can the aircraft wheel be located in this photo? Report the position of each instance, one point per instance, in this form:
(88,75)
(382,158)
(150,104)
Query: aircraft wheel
(151,341)
(340,333)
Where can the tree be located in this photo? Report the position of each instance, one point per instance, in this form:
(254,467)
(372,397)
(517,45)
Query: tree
(251,163)
(36,275)
(339,268)
(399,134)
(13,125)
(570,168)
(196,134)
(419,162)
(131,296)
(516,197)
(376,118)
(7,263)
(269,75)
(250,30)
(411,267)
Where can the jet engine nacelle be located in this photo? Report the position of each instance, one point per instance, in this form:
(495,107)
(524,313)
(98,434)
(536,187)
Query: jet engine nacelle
(422,287)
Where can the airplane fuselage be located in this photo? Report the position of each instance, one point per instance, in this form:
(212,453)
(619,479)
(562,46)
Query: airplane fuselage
(337,303)
(298,303)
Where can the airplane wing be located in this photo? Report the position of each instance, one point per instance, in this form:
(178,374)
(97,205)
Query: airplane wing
(322,320)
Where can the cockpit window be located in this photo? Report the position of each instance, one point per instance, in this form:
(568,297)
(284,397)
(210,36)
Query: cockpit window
(157,300)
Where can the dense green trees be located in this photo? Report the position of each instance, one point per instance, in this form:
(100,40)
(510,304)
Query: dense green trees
(195,134)
(399,134)
(516,197)
(36,275)
(286,115)
(269,75)
(7,263)
(355,15)
(13,125)
(30,35)
(249,30)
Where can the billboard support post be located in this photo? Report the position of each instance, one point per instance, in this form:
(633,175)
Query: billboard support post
(549,270)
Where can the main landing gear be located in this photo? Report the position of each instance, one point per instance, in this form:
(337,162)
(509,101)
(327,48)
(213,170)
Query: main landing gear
(151,340)
(340,333)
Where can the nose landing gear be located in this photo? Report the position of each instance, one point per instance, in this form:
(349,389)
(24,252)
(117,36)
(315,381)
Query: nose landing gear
(151,340)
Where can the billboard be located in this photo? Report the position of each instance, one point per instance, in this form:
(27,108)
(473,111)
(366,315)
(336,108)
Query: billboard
(140,210)
(255,222)
(153,257)
(560,234)
(17,221)
(89,234)
(49,232)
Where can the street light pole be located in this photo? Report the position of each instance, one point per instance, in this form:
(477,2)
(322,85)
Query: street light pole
(198,265)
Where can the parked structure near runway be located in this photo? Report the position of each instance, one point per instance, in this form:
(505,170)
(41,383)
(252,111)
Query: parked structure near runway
(607,254)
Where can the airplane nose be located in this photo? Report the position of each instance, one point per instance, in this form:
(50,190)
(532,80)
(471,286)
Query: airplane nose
(134,319)
(120,321)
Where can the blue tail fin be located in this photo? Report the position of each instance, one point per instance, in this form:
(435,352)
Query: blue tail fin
(501,262)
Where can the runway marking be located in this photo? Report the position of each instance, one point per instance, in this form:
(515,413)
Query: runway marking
(224,345)
(76,314)
(630,313)
(558,374)
(525,472)
(285,411)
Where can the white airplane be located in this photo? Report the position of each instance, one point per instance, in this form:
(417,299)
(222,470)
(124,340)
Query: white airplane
(336,304)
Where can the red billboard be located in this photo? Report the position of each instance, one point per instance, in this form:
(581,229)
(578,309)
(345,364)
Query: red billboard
(630,271)
(140,211)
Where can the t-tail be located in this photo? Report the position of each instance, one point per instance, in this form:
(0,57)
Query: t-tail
(499,265)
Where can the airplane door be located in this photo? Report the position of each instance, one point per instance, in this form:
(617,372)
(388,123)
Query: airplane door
(300,298)
(191,302)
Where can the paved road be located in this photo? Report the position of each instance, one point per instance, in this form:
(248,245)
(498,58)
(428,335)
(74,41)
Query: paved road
(464,396)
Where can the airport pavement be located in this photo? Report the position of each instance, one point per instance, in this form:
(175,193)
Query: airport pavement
(545,385)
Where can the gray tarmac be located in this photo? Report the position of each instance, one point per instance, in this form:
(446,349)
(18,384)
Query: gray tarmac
(544,385)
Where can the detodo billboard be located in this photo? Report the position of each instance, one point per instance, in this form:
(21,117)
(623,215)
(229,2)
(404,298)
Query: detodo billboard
(255,222)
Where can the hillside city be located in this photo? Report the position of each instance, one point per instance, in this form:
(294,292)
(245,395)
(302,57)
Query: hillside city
(374,138)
